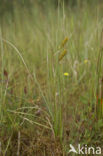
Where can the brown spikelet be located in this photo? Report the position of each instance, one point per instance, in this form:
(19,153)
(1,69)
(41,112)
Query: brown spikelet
(5,73)
(63,53)
(25,90)
(11,91)
(68,132)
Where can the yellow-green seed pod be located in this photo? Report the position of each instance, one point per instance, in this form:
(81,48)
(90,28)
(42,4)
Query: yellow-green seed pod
(64,42)
(63,53)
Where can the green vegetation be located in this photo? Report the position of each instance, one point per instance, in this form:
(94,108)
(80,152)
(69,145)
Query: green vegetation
(51,78)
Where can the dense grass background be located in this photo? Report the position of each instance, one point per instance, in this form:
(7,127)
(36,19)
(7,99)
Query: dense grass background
(42,111)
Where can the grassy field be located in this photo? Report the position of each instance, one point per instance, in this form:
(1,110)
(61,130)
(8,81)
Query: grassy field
(50,79)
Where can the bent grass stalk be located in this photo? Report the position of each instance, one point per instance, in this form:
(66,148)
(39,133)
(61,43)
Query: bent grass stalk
(20,55)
